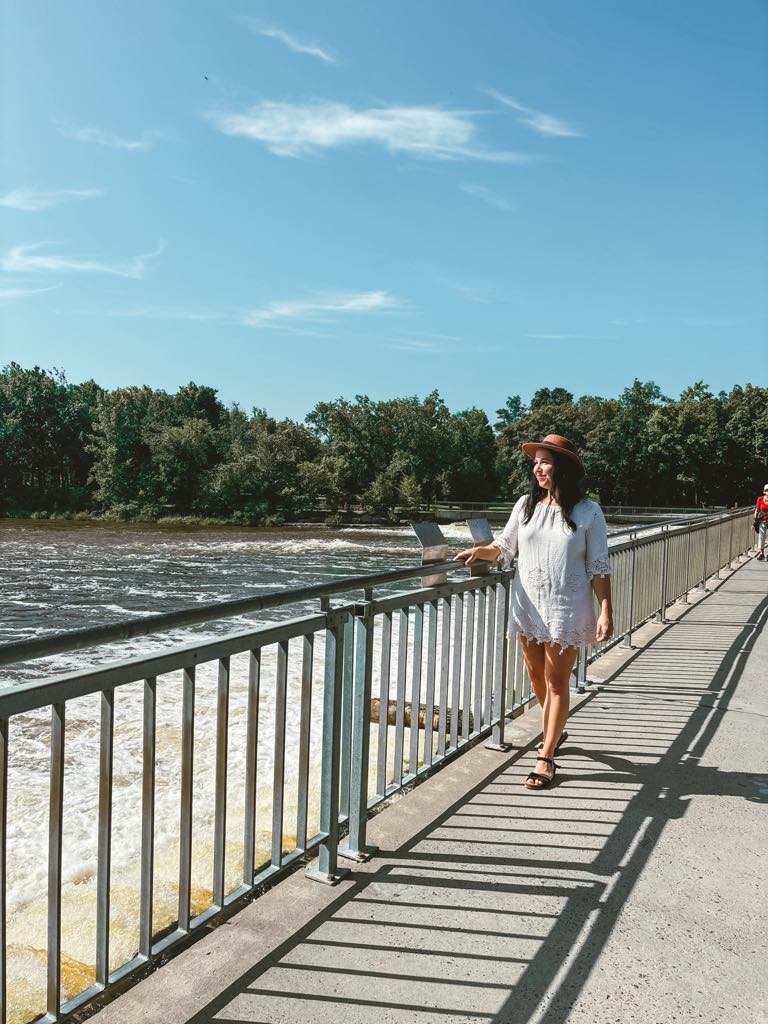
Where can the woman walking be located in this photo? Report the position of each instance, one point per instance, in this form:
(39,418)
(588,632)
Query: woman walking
(561,543)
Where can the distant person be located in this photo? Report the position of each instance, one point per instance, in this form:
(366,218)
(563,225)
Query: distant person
(561,543)
(760,523)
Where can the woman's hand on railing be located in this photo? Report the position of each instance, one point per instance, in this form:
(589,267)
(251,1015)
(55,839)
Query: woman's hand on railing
(480,553)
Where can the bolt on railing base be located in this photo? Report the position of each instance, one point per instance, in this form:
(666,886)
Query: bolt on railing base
(358,856)
(326,877)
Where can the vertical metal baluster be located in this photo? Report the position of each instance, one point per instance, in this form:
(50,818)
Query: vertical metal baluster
(429,698)
(185,816)
(661,614)
(346,717)
(55,830)
(305,731)
(148,816)
(469,642)
(220,809)
(251,758)
(418,641)
(458,633)
(632,571)
(500,667)
(480,658)
(489,652)
(3,866)
(730,543)
(386,659)
(104,856)
(278,775)
(356,848)
(325,869)
(402,668)
(445,663)
(703,583)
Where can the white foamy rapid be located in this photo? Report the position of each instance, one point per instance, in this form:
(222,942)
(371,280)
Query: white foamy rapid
(66,576)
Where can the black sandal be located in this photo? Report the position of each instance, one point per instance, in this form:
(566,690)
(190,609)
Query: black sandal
(542,780)
(560,742)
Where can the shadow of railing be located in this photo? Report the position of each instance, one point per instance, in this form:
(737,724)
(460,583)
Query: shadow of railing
(502,905)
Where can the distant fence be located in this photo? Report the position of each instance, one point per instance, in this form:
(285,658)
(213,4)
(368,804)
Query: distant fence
(281,718)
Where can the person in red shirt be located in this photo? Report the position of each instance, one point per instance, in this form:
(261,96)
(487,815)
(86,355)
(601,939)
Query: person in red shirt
(761,522)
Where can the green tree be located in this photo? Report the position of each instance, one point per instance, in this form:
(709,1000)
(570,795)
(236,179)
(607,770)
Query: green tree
(510,412)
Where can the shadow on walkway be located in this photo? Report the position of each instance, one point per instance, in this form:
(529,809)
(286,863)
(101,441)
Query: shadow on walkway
(500,908)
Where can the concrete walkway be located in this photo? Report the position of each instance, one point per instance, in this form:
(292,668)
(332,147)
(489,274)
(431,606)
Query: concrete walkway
(633,891)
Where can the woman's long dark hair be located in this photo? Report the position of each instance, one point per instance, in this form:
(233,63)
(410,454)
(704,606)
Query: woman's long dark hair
(566,483)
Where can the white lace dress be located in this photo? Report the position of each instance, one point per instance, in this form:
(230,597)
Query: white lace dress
(551,599)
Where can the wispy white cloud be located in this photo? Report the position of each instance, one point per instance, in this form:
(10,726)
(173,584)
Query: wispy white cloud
(22,259)
(273,32)
(9,292)
(166,313)
(544,124)
(320,308)
(487,196)
(295,129)
(100,137)
(422,345)
(32,198)
(710,323)
(568,337)
(472,292)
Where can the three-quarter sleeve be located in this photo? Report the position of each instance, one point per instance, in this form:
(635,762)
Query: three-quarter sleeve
(506,541)
(598,562)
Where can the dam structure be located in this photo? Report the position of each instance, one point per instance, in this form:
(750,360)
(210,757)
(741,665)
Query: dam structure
(376,745)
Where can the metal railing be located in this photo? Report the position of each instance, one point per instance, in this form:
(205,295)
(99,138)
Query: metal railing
(303,727)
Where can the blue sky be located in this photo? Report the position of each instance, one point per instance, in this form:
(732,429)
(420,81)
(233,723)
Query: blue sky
(296,201)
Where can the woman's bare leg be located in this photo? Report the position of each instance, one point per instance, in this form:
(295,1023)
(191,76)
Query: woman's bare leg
(533,655)
(557,674)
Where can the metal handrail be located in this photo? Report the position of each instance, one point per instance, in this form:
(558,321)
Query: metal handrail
(130,629)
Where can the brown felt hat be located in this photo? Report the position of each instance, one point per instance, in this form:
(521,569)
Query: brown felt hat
(559,445)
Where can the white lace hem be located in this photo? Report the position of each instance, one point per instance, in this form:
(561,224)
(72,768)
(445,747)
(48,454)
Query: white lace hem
(598,567)
(565,638)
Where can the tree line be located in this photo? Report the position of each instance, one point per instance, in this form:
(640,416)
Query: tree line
(145,454)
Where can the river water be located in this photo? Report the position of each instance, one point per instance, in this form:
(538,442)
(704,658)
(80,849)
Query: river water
(59,576)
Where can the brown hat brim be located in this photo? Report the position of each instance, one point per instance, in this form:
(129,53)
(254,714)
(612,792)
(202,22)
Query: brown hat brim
(531,447)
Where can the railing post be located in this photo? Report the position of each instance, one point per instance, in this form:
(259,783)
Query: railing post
(633,551)
(356,848)
(325,869)
(55,832)
(346,715)
(661,613)
(720,562)
(730,542)
(499,695)
(581,670)
(104,857)
(703,584)
(687,566)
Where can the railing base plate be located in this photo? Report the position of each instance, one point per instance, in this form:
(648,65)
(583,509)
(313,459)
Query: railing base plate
(325,877)
(358,856)
(503,748)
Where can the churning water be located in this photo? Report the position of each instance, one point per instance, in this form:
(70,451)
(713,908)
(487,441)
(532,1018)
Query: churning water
(58,576)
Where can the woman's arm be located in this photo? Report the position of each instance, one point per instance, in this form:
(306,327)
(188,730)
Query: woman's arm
(482,553)
(602,588)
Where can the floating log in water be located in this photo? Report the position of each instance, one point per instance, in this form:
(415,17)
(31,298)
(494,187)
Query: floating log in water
(392,715)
